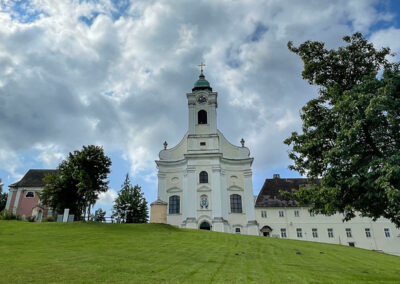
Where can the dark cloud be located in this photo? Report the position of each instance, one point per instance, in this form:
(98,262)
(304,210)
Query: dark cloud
(92,72)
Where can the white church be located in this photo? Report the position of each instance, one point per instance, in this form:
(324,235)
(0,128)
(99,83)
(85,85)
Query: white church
(205,182)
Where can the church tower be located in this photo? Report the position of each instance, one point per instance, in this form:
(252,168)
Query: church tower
(205,181)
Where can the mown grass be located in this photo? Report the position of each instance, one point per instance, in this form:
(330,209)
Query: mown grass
(122,253)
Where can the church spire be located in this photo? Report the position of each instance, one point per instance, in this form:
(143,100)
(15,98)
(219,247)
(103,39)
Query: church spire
(201,83)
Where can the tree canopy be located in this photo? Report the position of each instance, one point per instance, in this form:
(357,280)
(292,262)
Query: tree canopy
(351,131)
(3,197)
(130,205)
(79,180)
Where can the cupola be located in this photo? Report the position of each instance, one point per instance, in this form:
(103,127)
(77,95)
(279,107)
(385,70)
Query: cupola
(202,84)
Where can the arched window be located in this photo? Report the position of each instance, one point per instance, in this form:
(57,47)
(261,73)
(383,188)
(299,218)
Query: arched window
(202,117)
(203,177)
(174,204)
(236,203)
(30,194)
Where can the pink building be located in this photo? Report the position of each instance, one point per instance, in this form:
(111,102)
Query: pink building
(23,198)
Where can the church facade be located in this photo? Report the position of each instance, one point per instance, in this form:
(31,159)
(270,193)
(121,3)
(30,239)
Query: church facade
(205,181)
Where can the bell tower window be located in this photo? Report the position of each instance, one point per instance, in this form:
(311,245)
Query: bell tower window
(202,117)
(203,177)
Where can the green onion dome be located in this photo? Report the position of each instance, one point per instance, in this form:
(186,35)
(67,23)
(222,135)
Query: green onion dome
(202,84)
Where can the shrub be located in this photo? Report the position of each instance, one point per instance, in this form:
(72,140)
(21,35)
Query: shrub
(8,215)
(48,219)
(30,218)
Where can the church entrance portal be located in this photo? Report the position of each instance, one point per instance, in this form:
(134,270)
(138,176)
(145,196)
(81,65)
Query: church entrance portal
(266,231)
(205,226)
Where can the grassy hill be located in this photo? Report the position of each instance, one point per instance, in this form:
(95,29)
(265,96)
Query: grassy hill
(93,253)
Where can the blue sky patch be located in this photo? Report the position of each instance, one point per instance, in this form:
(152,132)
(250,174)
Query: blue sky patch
(258,33)
(90,19)
(22,11)
(120,8)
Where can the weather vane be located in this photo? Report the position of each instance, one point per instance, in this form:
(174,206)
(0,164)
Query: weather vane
(201,66)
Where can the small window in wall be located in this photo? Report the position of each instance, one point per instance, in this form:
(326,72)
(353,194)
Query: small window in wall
(283,233)
(315,232)
(296,213)
(30,194)
(174,204)
(281,213)
(351,244)
(330,233)
(348,233)
(203,177)
(236,203)
(368,232)
(202,117)
(312,214)
(202,143)
(264,214)
(299,233)
(387,232)
(237,230)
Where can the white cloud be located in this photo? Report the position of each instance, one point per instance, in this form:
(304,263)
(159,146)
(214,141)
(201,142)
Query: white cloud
(107,198)
(121,81)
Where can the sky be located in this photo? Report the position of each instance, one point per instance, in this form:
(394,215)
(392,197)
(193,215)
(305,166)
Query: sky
(116,73)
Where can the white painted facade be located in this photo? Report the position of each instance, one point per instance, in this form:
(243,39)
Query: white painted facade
(381,235)
(205,149)
(228,168)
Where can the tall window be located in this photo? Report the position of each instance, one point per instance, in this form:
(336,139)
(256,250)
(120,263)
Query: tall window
(174,204)
(283,233)
(203,177)
(299,233)
(202,117)
(368,232)
(387,232)
(348,233)
(264,214)
(296,213)
(312,214)
(330,233)
(314,232)
(236,203)
(281,213)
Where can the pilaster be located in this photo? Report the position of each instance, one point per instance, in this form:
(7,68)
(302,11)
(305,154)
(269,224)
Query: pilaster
(10,194)
(16,201)
(192,115)
(162,187)
(216,191)
(249,196)
(189,194)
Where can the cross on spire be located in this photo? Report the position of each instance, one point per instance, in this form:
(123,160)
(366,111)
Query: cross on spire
(201,66)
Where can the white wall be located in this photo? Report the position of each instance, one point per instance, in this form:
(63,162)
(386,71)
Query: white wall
(377,241)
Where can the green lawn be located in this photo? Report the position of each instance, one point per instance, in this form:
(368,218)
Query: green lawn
(93,253)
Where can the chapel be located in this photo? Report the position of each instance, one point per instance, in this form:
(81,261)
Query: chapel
(205,182)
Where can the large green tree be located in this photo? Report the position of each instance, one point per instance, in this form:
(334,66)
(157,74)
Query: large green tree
(3,197)
(351,131)
(79,180)
(130,205)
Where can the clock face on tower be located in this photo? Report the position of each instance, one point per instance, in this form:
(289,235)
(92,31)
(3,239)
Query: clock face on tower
(202,99)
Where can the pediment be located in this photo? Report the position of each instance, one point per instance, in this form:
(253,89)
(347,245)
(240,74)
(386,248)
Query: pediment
(204,188)
(174,189)
(235,188)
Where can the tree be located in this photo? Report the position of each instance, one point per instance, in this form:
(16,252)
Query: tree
(3,197)
(99,215)
(351,132)
(130,205)
(79,180)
